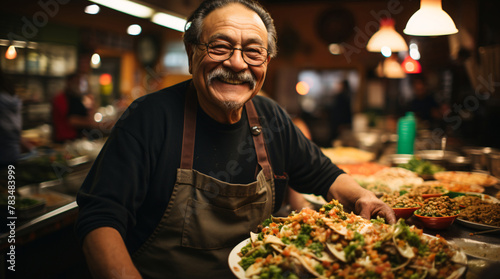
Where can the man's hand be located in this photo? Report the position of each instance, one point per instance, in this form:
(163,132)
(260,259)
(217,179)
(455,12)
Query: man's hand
(359,200)
(369,206)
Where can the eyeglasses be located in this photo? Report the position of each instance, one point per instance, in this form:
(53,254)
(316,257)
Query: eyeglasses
(222,51)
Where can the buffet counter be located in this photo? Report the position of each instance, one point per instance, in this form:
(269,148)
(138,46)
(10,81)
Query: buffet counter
(60,212)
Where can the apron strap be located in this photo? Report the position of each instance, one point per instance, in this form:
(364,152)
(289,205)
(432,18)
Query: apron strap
(189,132)
(258,139)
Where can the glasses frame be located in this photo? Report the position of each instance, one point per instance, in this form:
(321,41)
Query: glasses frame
(206,45)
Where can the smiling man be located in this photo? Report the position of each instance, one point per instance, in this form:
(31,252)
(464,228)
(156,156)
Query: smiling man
(190,170)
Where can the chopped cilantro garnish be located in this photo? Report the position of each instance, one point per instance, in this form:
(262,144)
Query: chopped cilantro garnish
(286,240)
(328,207)
(379,220)
(319,268)
(246,248)
(316,247)
(305,229)
(268,221)
(301,240)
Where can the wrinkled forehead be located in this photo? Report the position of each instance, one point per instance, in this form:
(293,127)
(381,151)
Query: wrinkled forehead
(234,22)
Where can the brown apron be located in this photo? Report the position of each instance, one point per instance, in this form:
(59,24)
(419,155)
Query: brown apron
(206,217)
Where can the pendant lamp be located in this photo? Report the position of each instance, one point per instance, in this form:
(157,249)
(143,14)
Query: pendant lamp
(430,20)
(411,66)
(11,52)
(386,36)
(390,68)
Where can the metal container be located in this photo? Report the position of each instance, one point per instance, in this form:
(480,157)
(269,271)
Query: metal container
(479,156)
(398,159)
(436,156)
(458,163)
(494,163)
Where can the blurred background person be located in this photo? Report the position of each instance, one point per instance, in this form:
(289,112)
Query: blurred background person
(423,104)
(11,142)
(72,110)
(340,113)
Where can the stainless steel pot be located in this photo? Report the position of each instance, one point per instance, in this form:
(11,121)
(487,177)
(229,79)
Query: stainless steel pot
(494,163)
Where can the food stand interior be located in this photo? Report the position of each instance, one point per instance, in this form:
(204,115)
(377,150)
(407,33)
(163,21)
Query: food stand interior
(462,71)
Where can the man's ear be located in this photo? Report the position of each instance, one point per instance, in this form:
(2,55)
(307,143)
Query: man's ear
(190,53)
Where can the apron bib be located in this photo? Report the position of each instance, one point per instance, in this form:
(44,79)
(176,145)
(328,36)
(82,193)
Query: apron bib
(205,217)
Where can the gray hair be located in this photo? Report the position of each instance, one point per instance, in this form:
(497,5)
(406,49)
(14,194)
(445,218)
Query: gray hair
(194,25)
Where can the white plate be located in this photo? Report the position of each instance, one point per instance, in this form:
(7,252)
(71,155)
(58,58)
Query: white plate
(474,225)
(239,272)
(315,200)
(234,259)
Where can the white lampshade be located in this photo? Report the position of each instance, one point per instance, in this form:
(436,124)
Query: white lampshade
(430,20)
(387,36)
(390,68)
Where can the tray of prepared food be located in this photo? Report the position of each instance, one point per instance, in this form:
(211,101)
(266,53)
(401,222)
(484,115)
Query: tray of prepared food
(331,243)
(423,168)
(367,168)
(465,177)
(348,155)
(483,214)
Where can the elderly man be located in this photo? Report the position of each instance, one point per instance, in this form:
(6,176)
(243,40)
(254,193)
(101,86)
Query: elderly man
(188,171)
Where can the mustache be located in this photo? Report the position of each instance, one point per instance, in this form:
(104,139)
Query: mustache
(222,73)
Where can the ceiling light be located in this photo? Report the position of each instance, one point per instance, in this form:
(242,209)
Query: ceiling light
(411,66)
(386,51)
(169,21)
(430,20)
(302,88)
(390,68)
(134,29)
(95,61)
(127,7)
(387,36)
(336,49)
(11,53)
(92,9)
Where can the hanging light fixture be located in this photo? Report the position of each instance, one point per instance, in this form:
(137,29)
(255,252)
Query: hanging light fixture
(11,52)
(430,20)
(390,68)
(411,66)
(387,38)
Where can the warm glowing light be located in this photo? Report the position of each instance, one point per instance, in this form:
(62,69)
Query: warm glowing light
(95,61)
(335,49)
(390,68)
(105,79)
(98,117)
(92,9)
(134,29)
(302,88)
(411,66)
(169,21)
(127,7)
(415,54)
(11,53)
(386,51)
(430,20)
(386,37)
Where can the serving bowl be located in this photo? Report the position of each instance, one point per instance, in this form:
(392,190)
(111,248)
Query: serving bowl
(436,223)
(405,212)
(426,196)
